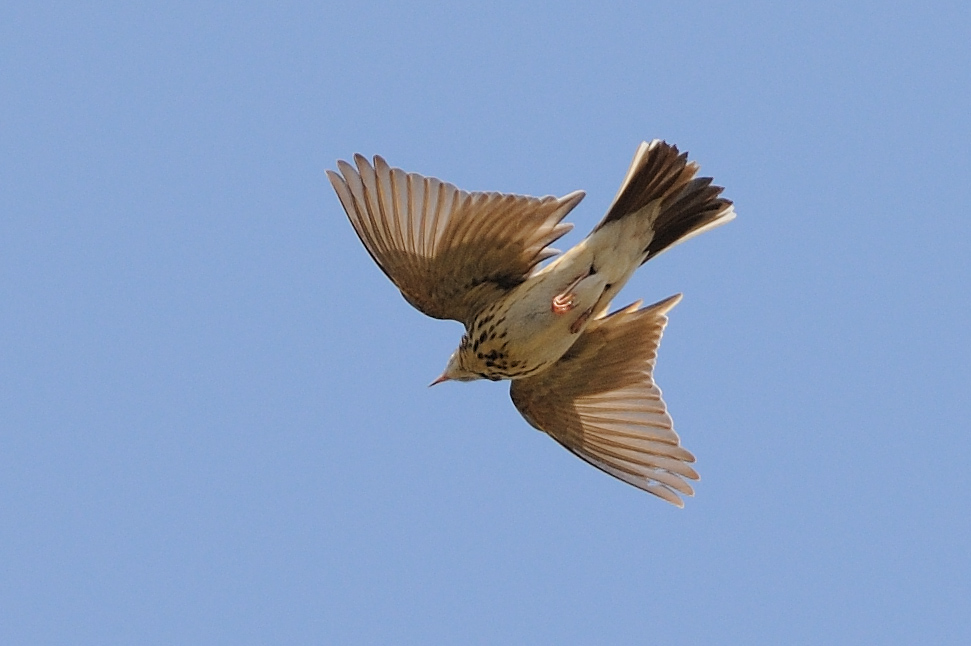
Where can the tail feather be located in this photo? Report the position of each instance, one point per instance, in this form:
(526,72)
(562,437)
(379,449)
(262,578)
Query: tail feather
(687,205)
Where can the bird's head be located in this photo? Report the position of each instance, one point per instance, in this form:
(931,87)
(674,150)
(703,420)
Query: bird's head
(454,371)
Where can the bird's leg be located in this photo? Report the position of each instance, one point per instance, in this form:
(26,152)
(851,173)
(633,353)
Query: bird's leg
(563,303)
(566,300)
(578,324)
(581,320)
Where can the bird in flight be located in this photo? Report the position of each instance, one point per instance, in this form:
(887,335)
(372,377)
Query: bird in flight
(579,374)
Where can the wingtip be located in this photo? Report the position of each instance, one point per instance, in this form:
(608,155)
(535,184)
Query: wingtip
(573,198)
(380,164)
(664,493)
(362,163)
(335,178)
(666,305)
(345,168)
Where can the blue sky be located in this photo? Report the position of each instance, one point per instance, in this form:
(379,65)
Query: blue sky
(214,420)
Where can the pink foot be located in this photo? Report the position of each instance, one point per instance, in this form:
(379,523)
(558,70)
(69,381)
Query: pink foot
(563,303)
(566,301)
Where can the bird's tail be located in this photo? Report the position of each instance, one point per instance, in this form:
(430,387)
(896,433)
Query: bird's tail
(661,177)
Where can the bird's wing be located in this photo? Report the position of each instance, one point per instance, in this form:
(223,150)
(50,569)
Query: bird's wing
(600,402)
(450,252)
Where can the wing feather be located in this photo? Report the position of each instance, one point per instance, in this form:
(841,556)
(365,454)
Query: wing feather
(600,402)
(450,252)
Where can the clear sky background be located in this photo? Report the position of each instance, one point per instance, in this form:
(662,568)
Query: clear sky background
(214,420)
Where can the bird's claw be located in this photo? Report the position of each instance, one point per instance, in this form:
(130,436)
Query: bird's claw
(564,303)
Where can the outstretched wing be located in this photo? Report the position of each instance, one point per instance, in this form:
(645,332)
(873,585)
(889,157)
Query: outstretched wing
(450,252)
(600,402)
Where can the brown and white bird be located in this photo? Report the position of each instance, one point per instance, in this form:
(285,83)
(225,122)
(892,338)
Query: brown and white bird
(578,373)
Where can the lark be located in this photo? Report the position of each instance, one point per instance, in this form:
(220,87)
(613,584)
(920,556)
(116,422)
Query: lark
(580,374)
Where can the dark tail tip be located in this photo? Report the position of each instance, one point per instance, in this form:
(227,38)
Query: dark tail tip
(688,204)
(697,207)
(657,171)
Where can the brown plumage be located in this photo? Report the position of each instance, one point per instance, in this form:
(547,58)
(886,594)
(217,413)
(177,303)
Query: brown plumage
(580,375)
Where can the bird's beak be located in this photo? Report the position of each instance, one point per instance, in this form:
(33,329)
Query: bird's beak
(441,378)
